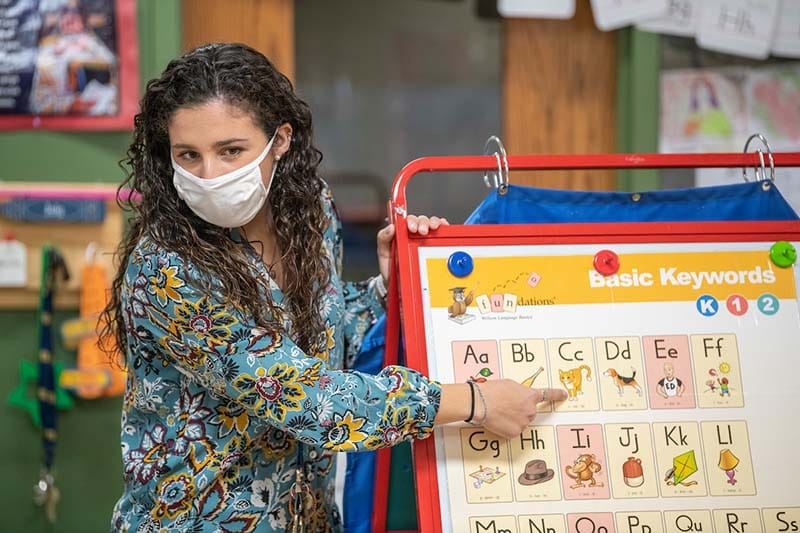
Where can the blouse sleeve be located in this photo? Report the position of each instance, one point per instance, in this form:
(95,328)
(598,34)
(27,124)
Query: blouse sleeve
(218,345)
(363,307)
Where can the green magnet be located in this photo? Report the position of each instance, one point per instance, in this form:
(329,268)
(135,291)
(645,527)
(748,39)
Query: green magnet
(783,254)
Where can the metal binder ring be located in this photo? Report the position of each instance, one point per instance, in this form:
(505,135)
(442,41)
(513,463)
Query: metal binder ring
(499,179)
(492,179)
(763,169)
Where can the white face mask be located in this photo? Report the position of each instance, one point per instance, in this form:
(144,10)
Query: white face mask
(229,201)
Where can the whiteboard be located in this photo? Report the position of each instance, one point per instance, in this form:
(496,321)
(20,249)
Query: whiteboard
(682,372)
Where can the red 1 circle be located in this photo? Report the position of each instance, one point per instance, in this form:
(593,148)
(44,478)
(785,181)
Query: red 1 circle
(737,304)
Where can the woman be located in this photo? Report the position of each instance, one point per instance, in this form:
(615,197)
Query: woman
(235,324)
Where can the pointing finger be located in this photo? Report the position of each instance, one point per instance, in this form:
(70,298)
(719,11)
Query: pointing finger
(550,395)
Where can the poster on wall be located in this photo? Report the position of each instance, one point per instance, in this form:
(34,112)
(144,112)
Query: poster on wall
(68,64)
(703,110)
(773,99)
(706,110)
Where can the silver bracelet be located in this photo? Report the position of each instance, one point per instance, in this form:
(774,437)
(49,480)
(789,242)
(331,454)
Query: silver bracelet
(380,288)
(485,407)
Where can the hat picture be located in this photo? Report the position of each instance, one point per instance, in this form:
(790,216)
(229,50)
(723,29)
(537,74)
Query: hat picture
(536,472)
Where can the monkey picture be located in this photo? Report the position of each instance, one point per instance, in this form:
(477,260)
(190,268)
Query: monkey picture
(460,301)
(584,469)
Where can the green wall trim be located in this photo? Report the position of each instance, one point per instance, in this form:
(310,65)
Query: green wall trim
(164,41)
(93,156)
(638,67)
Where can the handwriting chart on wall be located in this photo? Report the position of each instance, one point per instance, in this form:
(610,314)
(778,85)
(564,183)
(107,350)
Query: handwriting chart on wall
(680,365)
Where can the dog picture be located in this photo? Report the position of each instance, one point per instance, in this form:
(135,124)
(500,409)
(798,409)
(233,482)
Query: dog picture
(622,381)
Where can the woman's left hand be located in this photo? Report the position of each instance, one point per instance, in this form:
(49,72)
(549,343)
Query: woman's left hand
(416,224)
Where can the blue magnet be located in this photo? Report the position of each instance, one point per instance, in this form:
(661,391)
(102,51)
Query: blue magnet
(460,264)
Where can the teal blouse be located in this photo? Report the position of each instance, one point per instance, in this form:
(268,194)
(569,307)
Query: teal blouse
(215,407)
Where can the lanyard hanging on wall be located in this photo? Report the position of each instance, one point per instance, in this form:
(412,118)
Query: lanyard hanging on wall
(45,492)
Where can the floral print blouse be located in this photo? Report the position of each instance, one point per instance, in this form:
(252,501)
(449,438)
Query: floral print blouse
(215,407)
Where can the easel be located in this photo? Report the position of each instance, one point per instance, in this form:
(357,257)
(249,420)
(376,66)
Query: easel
(764,163)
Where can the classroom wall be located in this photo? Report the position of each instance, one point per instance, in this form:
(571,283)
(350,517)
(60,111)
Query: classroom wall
(87,455)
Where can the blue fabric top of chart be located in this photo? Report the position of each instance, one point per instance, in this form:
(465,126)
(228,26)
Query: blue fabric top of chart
(740,202)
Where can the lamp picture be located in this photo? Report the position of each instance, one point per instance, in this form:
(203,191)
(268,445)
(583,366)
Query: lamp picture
(728,463)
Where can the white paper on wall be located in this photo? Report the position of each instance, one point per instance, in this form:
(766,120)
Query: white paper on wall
(786,41)
(613,14)
(556,9)
(682,19)
(13,271)
(740,27)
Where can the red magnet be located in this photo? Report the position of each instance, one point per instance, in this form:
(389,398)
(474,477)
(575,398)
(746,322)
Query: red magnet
(606,262)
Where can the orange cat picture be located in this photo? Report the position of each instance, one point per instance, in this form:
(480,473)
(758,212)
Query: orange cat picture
(572,380)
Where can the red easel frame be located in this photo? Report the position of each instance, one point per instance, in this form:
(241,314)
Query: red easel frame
(407,245)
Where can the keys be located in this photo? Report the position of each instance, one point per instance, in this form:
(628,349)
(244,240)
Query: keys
(47,495)
(51,504)
(301,504)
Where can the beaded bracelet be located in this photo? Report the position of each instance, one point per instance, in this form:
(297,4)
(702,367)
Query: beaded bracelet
(485,407)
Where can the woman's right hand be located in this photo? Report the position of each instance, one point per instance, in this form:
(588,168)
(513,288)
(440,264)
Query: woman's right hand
(511,406)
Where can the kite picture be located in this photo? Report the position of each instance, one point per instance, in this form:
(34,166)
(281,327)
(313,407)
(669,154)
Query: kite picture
(683,467)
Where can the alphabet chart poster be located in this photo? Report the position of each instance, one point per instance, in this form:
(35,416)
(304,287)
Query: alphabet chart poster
(679,355)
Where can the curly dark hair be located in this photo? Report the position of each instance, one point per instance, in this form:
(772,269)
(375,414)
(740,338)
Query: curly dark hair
(240,76)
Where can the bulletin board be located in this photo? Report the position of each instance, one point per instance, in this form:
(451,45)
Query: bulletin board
(678,368)
(94,217)
(68,65)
